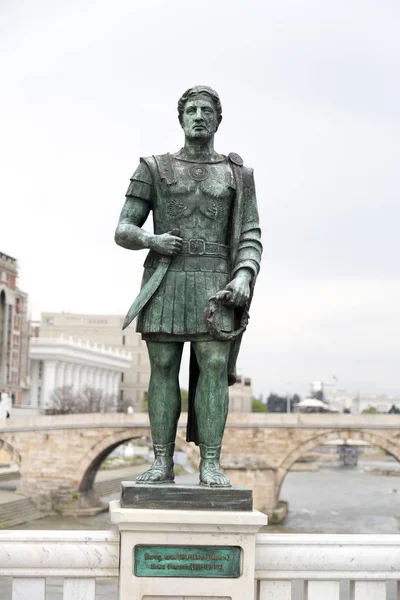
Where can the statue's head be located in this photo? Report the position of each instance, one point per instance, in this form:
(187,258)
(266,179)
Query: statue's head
(200,112)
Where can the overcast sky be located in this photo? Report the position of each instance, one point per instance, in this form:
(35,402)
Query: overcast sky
(311,100)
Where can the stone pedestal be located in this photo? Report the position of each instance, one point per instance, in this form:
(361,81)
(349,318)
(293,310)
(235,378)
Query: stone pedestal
(186,554)
(185,497)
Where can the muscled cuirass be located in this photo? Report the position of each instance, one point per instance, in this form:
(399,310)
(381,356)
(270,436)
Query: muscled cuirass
(213,206)
(197,201)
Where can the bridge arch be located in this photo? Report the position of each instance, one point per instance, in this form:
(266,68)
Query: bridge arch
(99,452)
(15,456)
(319,439)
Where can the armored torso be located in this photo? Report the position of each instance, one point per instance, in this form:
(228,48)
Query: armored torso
(194,197)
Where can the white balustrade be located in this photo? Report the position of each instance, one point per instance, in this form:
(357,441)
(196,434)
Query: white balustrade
(77,589)
(79,557)
(316,562)
(328,590)
(34,589)
(320,562)
(368,590)
(271,590)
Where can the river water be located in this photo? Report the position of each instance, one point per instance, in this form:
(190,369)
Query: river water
(338,500)
(331,500)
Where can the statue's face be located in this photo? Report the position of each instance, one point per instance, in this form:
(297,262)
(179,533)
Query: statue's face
(199,118)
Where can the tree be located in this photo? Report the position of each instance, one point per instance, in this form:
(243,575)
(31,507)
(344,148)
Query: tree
(295,399)
(371,410)
(185,400)
(257,406)
(278,404)
(318,395)
(89,400)
(63,401)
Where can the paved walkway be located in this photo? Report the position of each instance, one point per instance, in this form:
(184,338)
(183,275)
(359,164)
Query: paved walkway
(8,487)
(122,472)
(7,492)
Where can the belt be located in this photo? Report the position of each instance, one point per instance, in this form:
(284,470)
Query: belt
(200,247)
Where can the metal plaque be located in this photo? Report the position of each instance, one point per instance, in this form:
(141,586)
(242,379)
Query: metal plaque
(186,561)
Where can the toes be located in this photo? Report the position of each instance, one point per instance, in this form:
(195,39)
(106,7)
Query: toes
(154,476)
(147,476)
(216,479)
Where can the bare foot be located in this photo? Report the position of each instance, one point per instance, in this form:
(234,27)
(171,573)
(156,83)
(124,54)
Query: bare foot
(211,474)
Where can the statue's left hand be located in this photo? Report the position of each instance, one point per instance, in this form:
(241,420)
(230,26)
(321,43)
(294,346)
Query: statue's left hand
(237,291)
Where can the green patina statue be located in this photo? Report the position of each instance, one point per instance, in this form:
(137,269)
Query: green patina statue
(198,280)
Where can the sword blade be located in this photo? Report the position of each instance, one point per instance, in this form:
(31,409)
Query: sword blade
(147,290)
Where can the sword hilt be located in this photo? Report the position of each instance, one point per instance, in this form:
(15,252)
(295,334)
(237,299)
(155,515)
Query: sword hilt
(167,258)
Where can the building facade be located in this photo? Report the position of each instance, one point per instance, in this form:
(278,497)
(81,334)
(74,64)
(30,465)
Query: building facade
(357,402)
(59,362)
(134,382)
(381,402)
(14,339)
(240,395)
(106,330)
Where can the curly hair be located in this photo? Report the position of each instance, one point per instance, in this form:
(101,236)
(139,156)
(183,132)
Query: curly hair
(194,91)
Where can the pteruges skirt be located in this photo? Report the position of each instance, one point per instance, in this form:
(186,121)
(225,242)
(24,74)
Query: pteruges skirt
(175,312)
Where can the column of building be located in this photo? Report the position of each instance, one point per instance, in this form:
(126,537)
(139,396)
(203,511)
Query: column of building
(60,371)
(34,383)
(48,382)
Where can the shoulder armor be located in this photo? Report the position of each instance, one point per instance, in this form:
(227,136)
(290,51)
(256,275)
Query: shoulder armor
(142,173)
(165,168)
(141,182)
(236,159)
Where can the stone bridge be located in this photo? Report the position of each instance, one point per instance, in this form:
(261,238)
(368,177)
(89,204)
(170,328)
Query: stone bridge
(58,456)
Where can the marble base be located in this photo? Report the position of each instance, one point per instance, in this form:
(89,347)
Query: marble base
(186,528)
(185,497)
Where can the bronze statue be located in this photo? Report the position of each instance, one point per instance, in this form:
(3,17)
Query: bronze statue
(198,280)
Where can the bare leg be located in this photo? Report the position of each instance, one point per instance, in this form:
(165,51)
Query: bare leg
(211,405)
(164,408)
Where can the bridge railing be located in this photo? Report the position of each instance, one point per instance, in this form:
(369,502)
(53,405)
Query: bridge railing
(79,558)
(327,567)
(288,567)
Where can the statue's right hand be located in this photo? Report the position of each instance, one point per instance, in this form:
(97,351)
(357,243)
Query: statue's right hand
(167,243)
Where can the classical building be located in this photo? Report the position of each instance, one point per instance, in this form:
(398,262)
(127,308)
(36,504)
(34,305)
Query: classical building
(57,362)
(240,395)
(106,330)
(14,341)
(357,402)
(134,382)
(381,402)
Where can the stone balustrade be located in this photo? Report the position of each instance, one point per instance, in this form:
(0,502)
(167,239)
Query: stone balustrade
(288,567)
(78,343)
(328,567)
